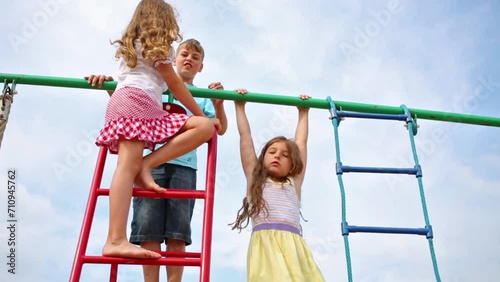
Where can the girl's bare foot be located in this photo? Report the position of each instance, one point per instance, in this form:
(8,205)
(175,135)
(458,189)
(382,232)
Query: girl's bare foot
(124,249)
(145,181)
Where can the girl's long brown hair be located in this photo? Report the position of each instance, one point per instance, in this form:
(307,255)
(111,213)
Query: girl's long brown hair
(254,203)
(154,24)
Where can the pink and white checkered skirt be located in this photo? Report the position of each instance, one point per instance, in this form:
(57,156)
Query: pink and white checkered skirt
(133,114)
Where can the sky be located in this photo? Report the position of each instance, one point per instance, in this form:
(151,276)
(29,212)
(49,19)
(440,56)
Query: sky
(425,54)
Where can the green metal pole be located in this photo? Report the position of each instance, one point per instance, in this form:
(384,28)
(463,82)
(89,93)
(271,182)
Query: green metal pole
(266,99)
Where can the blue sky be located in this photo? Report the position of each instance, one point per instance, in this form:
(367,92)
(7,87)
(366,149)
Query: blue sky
(425,54)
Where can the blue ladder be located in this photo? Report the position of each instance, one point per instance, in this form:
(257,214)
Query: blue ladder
(336,117)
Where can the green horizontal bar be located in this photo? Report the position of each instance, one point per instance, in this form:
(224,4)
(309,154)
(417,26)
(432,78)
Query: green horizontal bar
(265,99)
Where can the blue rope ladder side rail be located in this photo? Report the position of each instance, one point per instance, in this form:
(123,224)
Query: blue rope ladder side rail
(412,127)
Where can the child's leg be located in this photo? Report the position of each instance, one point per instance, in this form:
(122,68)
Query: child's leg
(178,216)
(174,273)
(120,195)
(195,131)
(151,272)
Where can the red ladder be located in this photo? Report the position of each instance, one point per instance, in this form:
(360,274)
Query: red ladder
(200,259)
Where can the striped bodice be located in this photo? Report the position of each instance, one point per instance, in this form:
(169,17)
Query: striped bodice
(282,203)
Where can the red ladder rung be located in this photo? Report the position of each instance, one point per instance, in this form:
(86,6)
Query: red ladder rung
(170,254)
(160,261)
(170,193)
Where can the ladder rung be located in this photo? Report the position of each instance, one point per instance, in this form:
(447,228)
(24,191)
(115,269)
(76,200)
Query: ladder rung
(379,170)
(160,261)
(180,254)
(390,230)
(170,193)
(371,116)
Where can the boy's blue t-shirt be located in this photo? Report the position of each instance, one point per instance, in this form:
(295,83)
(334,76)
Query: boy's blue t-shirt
(189,159)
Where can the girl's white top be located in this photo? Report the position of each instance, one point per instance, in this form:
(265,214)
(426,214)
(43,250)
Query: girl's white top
(144,75)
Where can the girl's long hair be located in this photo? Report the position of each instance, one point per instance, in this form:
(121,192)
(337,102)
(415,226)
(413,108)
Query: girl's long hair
(154,23)
(254,203)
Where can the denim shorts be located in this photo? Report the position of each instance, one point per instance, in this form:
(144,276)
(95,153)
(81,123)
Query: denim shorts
(161,219)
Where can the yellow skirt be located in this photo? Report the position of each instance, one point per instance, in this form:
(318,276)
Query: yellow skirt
(280,256)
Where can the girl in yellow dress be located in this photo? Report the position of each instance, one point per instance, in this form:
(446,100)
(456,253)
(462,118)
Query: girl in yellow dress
(277,251)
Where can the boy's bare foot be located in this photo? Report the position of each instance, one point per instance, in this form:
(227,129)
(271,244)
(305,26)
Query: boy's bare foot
(128,250)
(145,181)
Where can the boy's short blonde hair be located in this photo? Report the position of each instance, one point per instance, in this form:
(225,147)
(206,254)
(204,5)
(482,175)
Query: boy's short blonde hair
(192,44)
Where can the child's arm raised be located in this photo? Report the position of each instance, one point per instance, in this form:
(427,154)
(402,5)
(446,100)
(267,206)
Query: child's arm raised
(301,135)
(220,113)
(179,90)
(247,151)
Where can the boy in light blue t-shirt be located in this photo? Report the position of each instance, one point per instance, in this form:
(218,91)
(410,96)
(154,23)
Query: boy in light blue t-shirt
(169,220)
